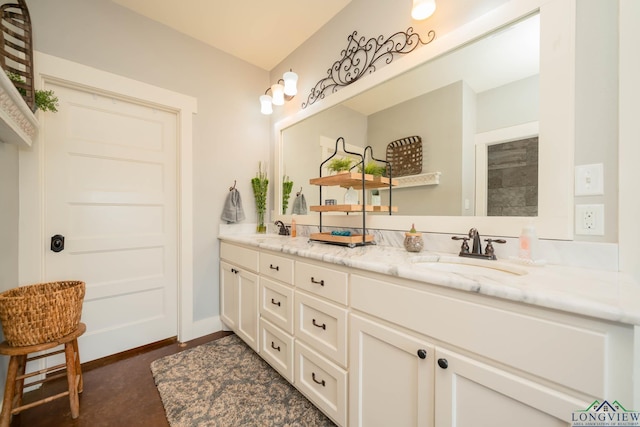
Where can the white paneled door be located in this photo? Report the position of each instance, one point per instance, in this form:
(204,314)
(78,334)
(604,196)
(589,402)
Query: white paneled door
(110,190)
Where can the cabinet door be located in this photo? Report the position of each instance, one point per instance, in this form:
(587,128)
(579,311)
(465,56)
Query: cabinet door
(390,377)
(248,294)
(228,295)
(472,394)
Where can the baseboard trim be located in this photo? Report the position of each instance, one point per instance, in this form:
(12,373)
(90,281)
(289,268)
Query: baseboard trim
(204,327)
(112,358)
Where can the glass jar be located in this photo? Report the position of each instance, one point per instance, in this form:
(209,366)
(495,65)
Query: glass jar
(413,242)
(261,227)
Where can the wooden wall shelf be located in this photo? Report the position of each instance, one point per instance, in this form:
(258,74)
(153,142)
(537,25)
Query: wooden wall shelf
(353,179)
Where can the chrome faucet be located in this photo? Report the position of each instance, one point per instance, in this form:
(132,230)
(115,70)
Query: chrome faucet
(476,246)
(283,229)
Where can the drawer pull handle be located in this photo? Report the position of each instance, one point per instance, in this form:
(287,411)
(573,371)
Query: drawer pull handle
(317,282)
(275,303)
(323,326)
(273,346)
(422,353)
(443,363)
(313,377)
(276,268)
(234,271)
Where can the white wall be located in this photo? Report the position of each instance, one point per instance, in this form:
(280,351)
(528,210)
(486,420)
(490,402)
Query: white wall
(629,147)
(597,103)
(437,117)
(8,216)
(8,227)
(230,134)
(503,106)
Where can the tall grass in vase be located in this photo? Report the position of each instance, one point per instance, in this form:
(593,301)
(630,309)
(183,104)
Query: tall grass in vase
(287,186)
(260,185)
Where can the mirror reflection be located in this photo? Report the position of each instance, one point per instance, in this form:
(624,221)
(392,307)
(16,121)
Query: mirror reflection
(487,85)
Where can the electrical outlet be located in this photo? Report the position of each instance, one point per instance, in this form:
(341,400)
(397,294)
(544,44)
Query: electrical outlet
(590,220)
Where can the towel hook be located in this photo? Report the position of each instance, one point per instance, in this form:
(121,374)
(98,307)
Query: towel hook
(234,186)
(299,192)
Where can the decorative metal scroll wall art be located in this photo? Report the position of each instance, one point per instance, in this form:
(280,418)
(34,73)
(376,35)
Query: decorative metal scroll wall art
(362,57)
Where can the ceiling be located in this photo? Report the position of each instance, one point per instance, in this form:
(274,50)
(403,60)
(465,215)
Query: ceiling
(260,32)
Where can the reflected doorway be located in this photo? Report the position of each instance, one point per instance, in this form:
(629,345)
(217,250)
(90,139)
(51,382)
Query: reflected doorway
(512,181)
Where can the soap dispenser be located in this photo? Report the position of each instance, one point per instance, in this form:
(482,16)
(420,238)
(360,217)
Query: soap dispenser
(528,249)
(351,197)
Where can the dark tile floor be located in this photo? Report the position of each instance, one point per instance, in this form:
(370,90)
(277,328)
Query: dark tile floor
(118,391)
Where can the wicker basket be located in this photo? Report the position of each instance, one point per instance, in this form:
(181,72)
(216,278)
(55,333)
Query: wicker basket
(41,313)
(405,156)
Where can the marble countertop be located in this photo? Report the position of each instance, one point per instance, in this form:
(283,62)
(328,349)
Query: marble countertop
(601,294)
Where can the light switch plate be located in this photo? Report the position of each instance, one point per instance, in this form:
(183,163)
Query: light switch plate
(589,180)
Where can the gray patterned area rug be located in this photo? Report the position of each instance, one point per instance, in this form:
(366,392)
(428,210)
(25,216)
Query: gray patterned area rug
(224,383)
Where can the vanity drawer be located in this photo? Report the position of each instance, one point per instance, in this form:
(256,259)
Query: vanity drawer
(324,383)
(277,349)
(323,326)
(242,257)
(276,304)
(322,281)
(571,354)
(276,267)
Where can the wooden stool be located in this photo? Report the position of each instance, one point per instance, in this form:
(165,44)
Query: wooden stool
(12,403)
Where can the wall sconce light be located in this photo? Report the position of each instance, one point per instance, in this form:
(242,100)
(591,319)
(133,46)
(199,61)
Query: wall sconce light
(283,90)
(422,9)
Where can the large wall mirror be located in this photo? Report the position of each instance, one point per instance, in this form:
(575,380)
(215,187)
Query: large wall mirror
(486,104)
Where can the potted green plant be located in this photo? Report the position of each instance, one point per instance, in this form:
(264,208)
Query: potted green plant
(45,100)
(373,168)
(339,164)
(260,185)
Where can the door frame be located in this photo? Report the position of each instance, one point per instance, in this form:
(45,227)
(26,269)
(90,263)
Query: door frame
(32,241)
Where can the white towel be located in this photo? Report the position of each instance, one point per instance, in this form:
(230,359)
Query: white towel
(299,205)
(232,211)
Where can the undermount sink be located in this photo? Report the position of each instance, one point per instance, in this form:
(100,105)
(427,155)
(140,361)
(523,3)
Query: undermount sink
(470,266)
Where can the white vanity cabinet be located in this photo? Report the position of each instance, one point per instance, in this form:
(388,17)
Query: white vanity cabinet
(239,292)
(373,349)
(401,379)
(495,363)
